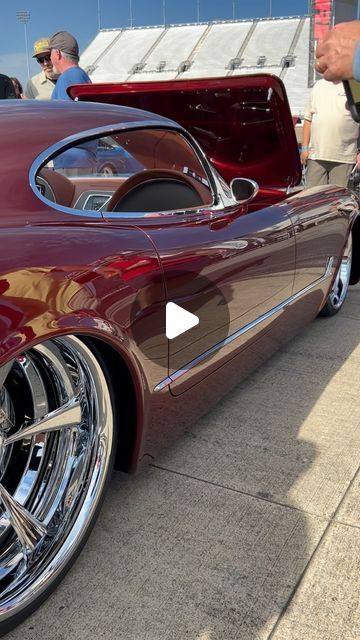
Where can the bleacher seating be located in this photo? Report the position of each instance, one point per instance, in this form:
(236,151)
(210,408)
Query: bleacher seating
(175,47)
(221,45)
(98,46)
(273,45)
(127,51)
(296,78)
(272,39)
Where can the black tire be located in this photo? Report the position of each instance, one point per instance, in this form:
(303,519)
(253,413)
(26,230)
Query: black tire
(340,286)
(57,447)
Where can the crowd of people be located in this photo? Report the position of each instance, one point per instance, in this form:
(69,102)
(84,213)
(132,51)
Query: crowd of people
(330,137)
(58,58)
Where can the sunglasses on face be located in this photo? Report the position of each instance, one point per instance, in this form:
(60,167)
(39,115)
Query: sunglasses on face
(44,59)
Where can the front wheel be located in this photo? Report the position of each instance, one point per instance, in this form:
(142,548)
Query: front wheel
(56,454)
(340,285)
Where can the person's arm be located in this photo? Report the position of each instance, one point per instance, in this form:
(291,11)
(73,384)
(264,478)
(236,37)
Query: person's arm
(356,62)
(305,141)
(338,54)
(306,132)
(357,161)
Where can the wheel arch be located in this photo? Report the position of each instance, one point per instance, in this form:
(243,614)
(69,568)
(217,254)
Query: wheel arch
(126,400)
(355,267)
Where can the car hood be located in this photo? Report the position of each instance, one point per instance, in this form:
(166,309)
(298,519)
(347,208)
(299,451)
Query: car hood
(242,123)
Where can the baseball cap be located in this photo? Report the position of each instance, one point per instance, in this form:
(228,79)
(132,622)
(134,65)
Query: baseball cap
(64,41)
(41,46)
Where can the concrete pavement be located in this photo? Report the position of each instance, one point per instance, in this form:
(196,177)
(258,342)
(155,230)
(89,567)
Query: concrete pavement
(248,528)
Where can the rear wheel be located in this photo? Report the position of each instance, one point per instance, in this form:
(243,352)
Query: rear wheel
(108,170)
(340,286)
(56,454)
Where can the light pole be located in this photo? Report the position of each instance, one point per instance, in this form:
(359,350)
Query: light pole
(164,12)
(131,14)
(234,9)
(99,15)
(198,10)
(270,8)
(24,17)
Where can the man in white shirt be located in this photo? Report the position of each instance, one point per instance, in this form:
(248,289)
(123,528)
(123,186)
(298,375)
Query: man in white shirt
(41,86)
(330,136)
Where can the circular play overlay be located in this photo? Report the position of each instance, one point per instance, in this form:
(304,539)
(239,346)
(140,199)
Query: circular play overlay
(192,321)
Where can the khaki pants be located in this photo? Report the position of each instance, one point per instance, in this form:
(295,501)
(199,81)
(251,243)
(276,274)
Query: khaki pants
(325,172)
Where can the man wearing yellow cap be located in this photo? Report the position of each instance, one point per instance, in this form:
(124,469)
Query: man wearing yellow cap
(40,86)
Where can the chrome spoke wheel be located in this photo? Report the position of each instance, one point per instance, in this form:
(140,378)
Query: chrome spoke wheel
(341,282)
(340,285)
(56,445)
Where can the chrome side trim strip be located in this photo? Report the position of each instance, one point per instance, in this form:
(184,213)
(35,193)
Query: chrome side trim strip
(234,336)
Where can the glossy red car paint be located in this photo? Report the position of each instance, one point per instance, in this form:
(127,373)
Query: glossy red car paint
(65,273)
(281,245)
(223,115)
(83,351)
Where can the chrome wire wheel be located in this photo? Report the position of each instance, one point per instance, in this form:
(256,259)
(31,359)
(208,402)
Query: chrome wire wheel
(56,448)
(340,285)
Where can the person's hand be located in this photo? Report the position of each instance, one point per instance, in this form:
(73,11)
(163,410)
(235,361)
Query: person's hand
(335,53)
(304,155)
(358,161)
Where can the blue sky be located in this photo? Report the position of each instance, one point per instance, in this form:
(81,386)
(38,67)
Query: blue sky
(80,17)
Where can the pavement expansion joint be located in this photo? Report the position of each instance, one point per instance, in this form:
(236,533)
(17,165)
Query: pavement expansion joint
(308,564)
(244,493)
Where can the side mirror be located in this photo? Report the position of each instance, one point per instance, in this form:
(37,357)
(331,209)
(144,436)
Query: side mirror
(243,189)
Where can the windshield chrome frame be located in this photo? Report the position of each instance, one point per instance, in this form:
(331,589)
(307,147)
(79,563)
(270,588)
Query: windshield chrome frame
(42,159)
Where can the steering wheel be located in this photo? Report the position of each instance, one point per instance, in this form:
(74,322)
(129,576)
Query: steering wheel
(157,190)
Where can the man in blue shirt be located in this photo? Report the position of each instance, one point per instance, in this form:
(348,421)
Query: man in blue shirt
(79,160)
(65,60)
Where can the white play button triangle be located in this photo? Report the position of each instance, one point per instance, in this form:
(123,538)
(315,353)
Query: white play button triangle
(178,320)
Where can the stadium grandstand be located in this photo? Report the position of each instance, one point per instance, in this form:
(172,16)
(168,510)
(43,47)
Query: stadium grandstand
(281,46)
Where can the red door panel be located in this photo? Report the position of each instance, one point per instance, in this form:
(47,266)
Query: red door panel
(249,258)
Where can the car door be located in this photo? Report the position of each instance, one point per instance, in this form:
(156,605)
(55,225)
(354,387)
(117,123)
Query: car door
(228,263)
(230,272)
(225,256)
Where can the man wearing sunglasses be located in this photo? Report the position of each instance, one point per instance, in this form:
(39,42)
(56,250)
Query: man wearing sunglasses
(41,86)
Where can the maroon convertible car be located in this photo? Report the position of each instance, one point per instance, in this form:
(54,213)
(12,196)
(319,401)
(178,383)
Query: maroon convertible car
(203,211)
